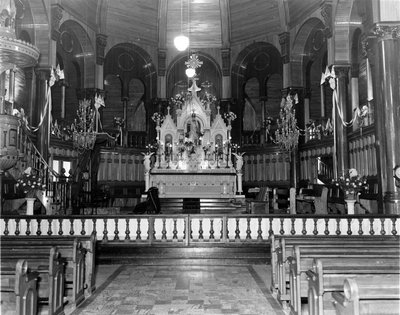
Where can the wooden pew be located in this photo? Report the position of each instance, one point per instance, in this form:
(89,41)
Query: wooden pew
(281,247)
(74,257)
(64,243)
(366,296)
(365,255)
(22,283)
(328,278)
(51,280)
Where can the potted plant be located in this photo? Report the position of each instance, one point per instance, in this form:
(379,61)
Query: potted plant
(30,183)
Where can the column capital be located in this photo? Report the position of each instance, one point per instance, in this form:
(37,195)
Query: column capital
(162,61)
(326,13)
(56,16)
(386,31)
(341,71)
(101,43)
(226,61)
(284,40)
(43,73)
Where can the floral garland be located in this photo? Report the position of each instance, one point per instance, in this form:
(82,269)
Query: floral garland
(30,183)
(351,182)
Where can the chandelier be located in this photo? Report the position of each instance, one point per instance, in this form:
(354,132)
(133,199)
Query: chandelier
(84,133)
(287,134)
(192,64)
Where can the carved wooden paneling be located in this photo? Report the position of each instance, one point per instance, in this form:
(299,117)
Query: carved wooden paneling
(363,154)
(266,167)
(120,167)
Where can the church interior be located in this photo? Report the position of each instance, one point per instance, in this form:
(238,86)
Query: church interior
(200,156)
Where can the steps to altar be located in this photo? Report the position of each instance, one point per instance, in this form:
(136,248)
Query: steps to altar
(199,254)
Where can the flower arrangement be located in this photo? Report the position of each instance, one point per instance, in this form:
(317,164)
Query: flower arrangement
(230,116)
(268,121)
(157,117)
(178,100)
(119,122)
(351,183)
(30,183)
(208,98)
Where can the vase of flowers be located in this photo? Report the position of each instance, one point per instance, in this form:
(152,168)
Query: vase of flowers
(158,118)
(230,116)
(30,183)
(351,183)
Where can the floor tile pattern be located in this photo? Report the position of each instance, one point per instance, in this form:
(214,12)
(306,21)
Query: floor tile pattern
(159,290)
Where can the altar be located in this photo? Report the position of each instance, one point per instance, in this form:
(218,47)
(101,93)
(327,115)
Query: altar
(219,183)
(193,152)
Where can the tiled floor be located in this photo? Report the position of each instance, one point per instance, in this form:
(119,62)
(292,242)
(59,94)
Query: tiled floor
(181,290)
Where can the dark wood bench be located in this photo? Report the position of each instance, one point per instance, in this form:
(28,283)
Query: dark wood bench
(328,277)
(51,279)
(65,244)
(366,296)
(20,286)
(74,256)
(281,248)
(364,256)
(260,204)
(313,199)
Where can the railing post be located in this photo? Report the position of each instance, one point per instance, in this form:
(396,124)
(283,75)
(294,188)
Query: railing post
(224,229)
(187,229)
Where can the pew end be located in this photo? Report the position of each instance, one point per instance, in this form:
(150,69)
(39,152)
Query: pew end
(365,296)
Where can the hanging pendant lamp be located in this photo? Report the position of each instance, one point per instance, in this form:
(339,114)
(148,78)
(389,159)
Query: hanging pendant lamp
(181,41)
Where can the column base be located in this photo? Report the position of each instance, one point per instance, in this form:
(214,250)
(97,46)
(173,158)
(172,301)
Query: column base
(391,203)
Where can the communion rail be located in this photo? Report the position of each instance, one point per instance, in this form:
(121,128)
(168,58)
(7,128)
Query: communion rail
(196,228)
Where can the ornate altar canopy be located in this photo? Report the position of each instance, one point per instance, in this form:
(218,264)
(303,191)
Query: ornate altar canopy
(193,157)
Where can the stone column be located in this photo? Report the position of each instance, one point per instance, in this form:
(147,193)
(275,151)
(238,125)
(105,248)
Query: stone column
(341,149)
(101,42)
(388,99)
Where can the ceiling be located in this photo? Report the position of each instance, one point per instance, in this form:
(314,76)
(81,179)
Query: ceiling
(210,23)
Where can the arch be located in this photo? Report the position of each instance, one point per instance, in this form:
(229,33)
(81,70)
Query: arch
(299,50)
(83,50)
(246,66)
(129,61)
(342,23)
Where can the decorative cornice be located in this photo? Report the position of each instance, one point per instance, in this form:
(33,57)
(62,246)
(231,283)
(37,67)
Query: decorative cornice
(101,43)
(56,16)
(284,41)
(387,31)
